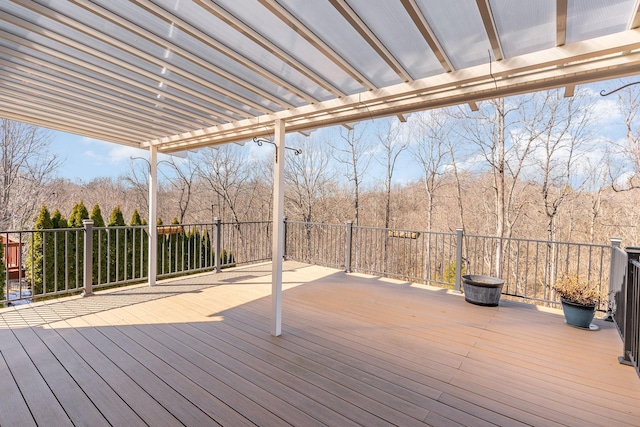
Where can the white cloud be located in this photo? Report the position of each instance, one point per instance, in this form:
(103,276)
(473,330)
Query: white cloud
(93,156)
(118,153)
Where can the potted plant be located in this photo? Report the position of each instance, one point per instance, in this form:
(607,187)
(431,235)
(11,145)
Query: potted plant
(579,300)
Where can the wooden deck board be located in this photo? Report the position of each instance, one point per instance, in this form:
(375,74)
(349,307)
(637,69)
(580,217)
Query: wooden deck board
(355,350)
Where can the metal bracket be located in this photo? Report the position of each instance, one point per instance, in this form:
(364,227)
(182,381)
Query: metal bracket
(259,141)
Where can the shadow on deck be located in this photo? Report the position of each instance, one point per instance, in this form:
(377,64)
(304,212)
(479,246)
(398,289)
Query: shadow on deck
(355,350)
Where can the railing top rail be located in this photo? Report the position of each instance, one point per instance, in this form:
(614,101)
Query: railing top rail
(556,242)
(314,223)
(445,233)
(237,223)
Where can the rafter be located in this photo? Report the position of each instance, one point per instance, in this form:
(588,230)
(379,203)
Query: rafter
(268,45)
(121,96)
(158,62)
(222,48)
(284,15)
(62,119)
(421,23)
(561,22)
(361,27)
(169,46)
(83,105)
(163,81)
(634,22)
(490,27)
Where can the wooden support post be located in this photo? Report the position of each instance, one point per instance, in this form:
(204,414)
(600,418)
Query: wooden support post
(153,214)
(277,252)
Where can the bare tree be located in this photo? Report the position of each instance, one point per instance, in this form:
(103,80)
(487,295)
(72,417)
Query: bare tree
(137,179)
(431,132)
(353,151)
(626,152)
(26,169)
(228,173)
(182,176)
(564,129)
(307,178)
(392,144)
(497,131)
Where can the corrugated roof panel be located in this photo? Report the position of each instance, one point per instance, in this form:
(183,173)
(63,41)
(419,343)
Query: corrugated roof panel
(399,34)
(594,18)
(525,26)
(458,27)
(328,24)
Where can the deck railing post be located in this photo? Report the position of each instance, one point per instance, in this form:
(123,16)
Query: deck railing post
(284,241)
(87,275)
(347,249)
(217,243)
(459,236)
(615,245)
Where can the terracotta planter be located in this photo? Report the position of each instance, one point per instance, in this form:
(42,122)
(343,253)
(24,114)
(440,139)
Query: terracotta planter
(578,315)
(482,290)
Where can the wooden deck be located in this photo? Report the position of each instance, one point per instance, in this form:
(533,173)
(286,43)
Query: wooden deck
(355,350)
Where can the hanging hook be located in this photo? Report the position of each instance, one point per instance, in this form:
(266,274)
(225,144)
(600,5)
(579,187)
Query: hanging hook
(605,93)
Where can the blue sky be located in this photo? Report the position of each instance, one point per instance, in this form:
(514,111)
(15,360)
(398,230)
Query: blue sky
(84,159)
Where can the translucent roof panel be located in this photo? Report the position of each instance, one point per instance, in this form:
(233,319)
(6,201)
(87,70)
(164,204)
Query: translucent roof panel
(399,34)
(159,57)
(457,25)
(525,26)
(269,26)
(231,69)
(328,24)
(231,38)
(174,35)
(594,18)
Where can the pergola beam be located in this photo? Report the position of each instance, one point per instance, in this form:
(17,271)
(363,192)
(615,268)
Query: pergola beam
(592,60)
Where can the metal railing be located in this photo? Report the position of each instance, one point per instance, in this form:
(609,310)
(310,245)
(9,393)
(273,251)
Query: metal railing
(625,301)
(315,243)
(53,263)
(529,267)
(44,263)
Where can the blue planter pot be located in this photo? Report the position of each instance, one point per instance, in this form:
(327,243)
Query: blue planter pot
(578,315)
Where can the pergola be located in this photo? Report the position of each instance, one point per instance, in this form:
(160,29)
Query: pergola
(175,75)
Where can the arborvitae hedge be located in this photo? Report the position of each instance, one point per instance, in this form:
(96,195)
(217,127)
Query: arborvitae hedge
(75,252)
(100,266)
(117,246)
(41,256)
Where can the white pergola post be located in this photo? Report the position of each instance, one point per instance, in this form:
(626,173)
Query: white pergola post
(153,213)
(277,251)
